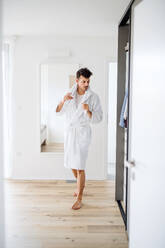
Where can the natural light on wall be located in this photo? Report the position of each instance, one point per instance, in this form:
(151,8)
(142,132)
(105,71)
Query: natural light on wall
(7,98)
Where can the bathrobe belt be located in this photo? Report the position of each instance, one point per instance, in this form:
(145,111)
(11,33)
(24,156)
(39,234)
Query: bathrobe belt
(77,125)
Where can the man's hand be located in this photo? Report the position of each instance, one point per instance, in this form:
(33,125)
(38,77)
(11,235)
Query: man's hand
(85,106)
(67,97)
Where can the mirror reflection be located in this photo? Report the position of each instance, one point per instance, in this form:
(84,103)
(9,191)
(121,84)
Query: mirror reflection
(56,78)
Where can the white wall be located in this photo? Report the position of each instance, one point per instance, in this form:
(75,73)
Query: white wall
(1,169)
(92,52)
(147,188)
(2,233)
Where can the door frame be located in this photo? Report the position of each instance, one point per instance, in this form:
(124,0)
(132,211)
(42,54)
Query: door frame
(124,29)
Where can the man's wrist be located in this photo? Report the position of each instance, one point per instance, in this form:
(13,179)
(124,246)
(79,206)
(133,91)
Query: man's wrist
(89,113)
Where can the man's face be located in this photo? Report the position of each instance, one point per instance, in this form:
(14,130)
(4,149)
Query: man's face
(83,83)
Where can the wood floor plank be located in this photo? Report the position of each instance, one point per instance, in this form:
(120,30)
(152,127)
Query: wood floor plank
(39,215)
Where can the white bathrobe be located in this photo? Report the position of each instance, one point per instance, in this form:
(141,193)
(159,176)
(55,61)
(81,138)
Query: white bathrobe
(78,133)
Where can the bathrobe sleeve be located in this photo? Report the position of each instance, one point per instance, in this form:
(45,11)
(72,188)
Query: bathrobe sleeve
(64,108)
(97,112)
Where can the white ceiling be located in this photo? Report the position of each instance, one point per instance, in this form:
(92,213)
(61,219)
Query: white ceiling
(62,17)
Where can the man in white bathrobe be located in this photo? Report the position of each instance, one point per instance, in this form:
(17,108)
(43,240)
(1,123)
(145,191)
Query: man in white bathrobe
(82,107)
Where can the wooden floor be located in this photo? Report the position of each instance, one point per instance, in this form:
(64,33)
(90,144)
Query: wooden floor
(39,215)
(52,147)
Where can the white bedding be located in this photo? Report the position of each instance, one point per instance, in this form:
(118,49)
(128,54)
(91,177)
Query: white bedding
(43,133)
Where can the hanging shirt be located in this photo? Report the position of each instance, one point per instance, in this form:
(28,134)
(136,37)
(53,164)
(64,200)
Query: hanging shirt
(123,113)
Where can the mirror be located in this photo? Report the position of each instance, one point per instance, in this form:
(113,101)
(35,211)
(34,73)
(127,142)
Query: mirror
(55,80)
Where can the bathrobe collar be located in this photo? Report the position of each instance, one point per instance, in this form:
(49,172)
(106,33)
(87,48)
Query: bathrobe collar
(78,111)
(86,95)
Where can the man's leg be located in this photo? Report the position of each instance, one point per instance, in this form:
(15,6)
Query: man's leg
(74,172)
(80,187)
(80,183)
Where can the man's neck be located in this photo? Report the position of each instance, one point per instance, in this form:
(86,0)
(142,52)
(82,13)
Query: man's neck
(80,92)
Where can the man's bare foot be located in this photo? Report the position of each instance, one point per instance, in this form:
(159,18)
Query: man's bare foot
(75,193)
(77,205)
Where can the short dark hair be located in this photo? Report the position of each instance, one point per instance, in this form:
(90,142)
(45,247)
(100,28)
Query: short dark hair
(85,72)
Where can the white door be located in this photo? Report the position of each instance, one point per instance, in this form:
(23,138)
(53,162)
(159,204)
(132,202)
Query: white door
(147,126)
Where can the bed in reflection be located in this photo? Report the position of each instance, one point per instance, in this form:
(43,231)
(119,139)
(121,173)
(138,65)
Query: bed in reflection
(49,147)
(43,134)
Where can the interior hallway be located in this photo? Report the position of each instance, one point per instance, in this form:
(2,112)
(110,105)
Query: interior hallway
(39,214)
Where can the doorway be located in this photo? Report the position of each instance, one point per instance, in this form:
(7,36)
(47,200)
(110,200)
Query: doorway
(122,125)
